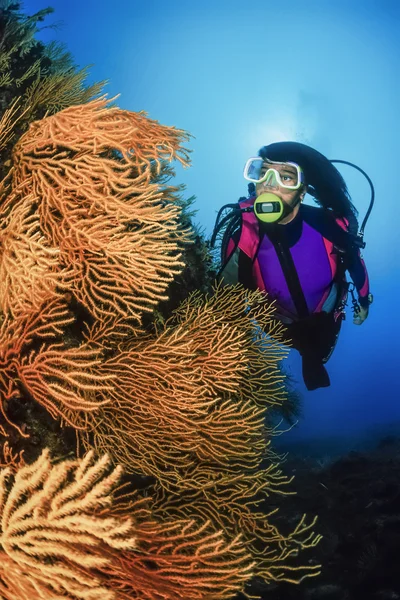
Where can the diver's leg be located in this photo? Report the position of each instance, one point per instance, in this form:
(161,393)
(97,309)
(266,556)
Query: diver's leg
(314,373)
(313,338)
(331,336)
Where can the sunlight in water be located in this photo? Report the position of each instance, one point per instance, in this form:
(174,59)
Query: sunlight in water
(279,128)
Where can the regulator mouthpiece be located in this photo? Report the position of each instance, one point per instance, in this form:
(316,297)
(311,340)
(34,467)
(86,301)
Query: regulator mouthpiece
(269,208)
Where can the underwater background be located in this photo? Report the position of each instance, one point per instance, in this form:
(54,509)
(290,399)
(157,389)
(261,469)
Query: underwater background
(236,76)
(240,75)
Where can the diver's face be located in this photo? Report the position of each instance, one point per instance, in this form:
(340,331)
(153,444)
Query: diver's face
(287,173)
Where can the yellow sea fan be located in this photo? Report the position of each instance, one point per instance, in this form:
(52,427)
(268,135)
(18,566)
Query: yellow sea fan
(49,534)
(64,535)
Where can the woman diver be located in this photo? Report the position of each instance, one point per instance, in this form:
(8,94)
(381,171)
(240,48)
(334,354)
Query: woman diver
(299,254)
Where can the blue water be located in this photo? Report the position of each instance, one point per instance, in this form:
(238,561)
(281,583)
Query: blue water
(239,76)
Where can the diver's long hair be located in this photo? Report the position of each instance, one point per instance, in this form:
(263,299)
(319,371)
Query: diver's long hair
(324,181)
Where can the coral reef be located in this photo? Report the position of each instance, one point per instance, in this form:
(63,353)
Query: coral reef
(108,344)
(35,79)
(90,242)
(63,536)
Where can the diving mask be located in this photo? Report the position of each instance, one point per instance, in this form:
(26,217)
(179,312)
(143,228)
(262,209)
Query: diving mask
(288,175)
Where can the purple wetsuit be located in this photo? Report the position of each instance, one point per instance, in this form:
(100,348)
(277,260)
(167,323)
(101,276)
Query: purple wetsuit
(301,265)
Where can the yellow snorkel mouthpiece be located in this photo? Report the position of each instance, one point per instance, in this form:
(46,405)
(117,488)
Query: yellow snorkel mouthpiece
(268,208)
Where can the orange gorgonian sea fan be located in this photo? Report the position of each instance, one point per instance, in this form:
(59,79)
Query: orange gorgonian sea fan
(188,408)
(36,360)
(239,504)
(30,269)
(61,537)
(13,461)
(96,213)
(193,395)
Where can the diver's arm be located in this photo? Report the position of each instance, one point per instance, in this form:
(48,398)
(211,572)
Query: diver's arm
(358,272)
(355,265)
(335,230)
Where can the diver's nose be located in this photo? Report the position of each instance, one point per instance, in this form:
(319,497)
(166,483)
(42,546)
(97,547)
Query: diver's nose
(271,181)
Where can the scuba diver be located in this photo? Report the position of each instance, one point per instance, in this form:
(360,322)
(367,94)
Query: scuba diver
(296,253)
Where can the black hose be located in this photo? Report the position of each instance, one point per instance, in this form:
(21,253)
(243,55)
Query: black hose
(345,162)
(218,225)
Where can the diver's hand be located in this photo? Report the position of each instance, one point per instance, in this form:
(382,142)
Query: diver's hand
(360,317)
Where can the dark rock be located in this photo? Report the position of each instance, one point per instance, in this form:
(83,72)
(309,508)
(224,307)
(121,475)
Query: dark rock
(326,592)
